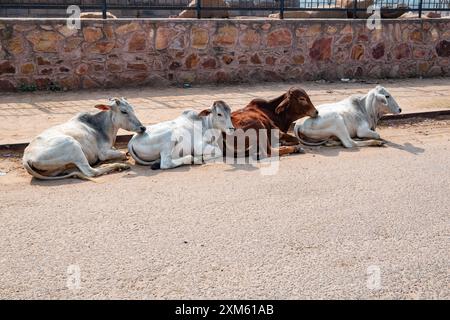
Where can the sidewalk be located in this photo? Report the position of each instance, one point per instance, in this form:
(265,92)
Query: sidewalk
(24,115)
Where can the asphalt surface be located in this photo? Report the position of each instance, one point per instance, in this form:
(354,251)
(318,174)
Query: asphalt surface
(332,223)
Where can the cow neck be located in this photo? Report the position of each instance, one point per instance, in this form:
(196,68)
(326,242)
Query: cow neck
(286,121)
(113,131)
(281,120)
(109,130)
(371,109)
(206,122)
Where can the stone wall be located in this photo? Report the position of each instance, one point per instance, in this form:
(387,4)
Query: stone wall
(116,53)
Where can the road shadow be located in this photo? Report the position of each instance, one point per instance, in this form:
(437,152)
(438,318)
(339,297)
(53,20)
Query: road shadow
(55,183)
(331,151)
(335,151)
(252,164)
(72,180)
(146,171)
(408,147)
(234,167)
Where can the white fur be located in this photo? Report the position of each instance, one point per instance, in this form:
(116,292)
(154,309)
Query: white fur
(183,140)
(356,116)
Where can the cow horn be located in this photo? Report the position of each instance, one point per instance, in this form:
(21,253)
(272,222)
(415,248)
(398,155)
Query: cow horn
(282,106)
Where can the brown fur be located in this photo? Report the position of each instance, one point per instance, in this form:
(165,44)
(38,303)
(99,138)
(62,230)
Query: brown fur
(204,113)
(278,113)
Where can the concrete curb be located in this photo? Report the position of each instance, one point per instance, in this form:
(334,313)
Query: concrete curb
(122,139)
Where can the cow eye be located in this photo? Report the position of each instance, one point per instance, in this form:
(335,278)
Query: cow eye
(387,97)
(123,112)
(219,114)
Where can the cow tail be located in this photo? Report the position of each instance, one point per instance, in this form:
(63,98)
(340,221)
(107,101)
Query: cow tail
(137,159)
(308,141)
(75,174)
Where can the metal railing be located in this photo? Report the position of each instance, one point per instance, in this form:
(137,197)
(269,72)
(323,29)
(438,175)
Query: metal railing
(201,6)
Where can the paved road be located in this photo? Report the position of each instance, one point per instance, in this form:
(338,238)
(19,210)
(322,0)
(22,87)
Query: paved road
(313,230)
(25,115)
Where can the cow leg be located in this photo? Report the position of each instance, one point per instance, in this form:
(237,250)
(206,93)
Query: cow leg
(167,162)
(333,143)
(365,132)
(288,140)
(83,164)
(210,157)
(213,152)
(67,154)
(285,150)
(89,171)
(269,151)
(343,135)
(281,151)
(111,154)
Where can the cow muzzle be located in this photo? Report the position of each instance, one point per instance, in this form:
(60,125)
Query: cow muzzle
(314,114)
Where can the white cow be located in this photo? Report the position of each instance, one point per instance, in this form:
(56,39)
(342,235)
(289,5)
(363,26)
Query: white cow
(70,149)
(356,116)
(189,138)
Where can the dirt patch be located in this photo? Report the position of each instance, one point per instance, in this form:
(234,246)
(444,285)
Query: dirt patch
(11,166)
(403,123)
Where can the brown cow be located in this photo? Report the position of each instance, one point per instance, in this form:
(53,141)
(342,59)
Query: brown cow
(278,113)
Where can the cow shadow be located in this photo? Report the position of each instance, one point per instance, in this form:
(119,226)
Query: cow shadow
(146,171)
(234,167)
(335,151)
(330,151)
(96,180)
(248,163)
(408,147)
(55,183)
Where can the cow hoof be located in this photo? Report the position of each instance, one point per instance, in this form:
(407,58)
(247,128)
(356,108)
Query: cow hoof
(197,160)
(298,149)
(123,166)
(381,143)
(156,166)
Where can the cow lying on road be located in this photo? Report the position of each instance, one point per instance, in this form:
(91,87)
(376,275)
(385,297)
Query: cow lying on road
(278,113)
(356,116)
(70,149)
(160,146)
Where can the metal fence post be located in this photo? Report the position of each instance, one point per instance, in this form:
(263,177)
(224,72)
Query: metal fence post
(281,9)
(355,8)
(104,9)
(199,9)
(420,8)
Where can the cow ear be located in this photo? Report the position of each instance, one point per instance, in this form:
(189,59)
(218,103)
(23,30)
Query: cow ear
(381,98)
(204,113)
(282,106)
(103,107)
